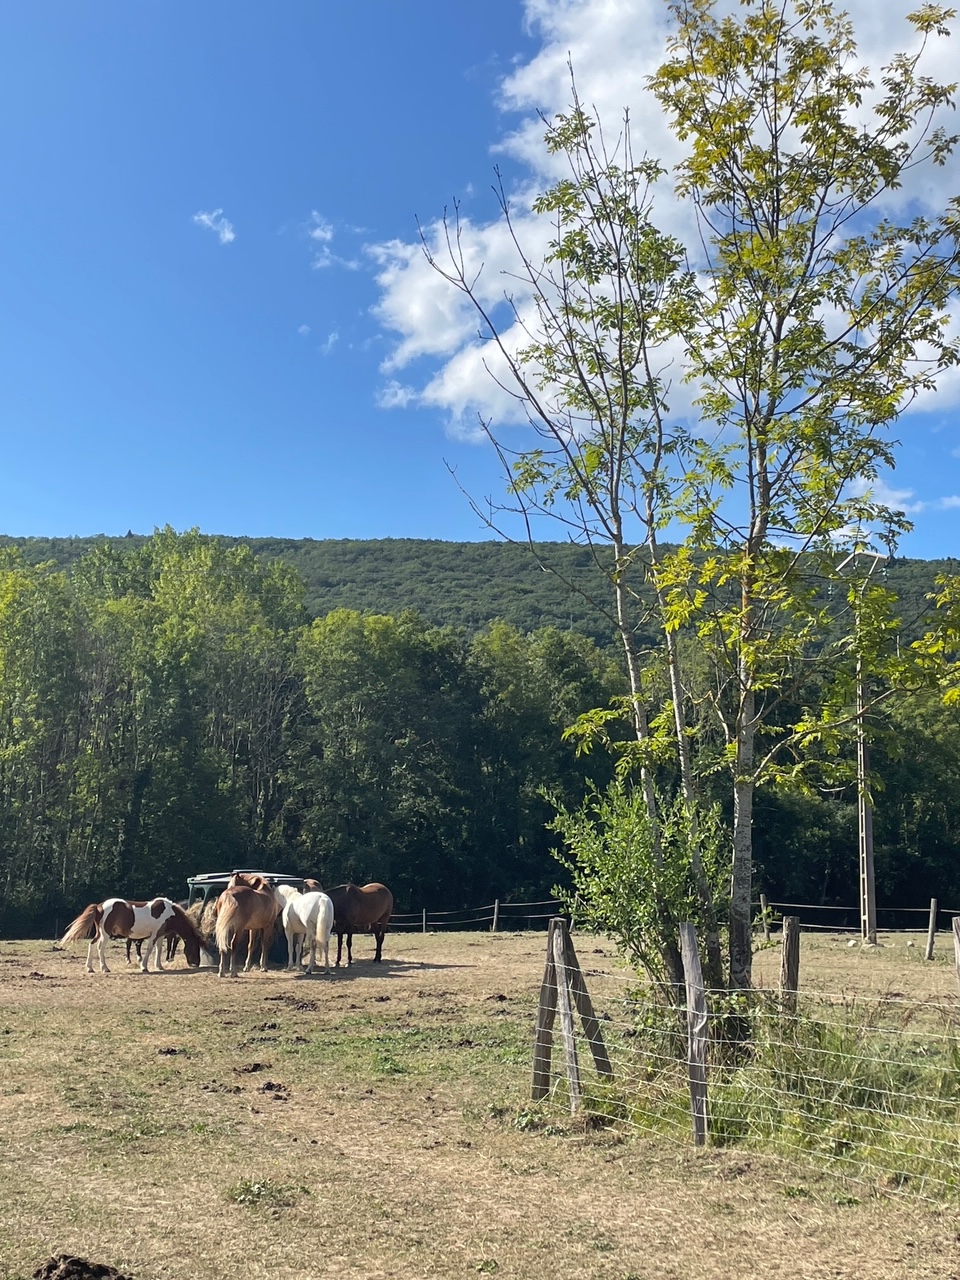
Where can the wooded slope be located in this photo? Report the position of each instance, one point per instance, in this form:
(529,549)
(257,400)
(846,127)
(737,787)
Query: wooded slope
(462,584)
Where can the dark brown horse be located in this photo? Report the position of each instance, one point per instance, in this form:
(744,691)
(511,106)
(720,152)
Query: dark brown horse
(247,905)
(360,910)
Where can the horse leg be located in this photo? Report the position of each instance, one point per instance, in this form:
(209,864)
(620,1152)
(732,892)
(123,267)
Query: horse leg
(349,950)
(378,934)
(153,944)
(251,940)
(339,947)
(101,941)
(311,937)
(291,947)
(93,943)
(266,937)
(226,954)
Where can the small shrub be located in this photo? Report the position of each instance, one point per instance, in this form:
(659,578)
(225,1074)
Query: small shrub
(264,1194)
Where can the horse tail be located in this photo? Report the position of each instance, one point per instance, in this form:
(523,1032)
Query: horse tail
(85,925)
(226,910)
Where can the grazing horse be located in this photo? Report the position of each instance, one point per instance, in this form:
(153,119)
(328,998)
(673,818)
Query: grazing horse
(307,920)
(247,905)
(360,910)
(146,921)
(173,940)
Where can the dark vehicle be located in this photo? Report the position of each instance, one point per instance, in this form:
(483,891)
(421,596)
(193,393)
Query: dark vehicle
(207,887)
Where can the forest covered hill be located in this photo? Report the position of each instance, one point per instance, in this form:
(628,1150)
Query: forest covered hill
(464,584)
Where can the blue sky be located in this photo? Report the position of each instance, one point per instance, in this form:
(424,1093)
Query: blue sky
(212,313)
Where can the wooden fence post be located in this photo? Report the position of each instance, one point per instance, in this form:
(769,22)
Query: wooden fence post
(956,944)
(765,916)
(496,915)
(563,979)
(424,919)
(546,1013)
(790,964)
(931,930)
(566,1015)
(581,998)
(696,1033)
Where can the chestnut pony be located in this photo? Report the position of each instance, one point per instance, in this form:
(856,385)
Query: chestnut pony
(247,905)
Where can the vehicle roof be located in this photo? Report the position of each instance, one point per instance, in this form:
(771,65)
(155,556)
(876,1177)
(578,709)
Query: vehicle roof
(216,877)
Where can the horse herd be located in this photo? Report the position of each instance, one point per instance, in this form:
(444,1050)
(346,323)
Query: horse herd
(248,908)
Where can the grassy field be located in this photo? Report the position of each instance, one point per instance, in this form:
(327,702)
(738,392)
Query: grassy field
(375,1123)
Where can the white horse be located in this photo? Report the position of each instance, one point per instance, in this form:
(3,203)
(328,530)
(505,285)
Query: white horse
(307,920)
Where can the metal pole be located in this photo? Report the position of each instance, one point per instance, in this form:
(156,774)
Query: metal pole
(868,888)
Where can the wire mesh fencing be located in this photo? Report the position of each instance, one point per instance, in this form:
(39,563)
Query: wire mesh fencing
(496,915)
(867,1087)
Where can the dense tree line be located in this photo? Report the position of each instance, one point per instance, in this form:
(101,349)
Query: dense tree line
(168,708)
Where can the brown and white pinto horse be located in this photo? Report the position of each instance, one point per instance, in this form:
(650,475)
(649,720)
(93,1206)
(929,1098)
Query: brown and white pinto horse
(173,940)
(360,910)
(146,921)
(247,905)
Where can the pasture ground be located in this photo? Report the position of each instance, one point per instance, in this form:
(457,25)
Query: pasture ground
(371,1124)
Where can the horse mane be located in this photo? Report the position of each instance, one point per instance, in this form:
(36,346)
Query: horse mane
(242,879)
(84,926)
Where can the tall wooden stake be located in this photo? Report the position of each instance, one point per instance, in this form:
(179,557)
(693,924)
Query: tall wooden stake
(566,1017)
(546,1015)
(931,930)
(696,1033)
(790,964)
(562,980)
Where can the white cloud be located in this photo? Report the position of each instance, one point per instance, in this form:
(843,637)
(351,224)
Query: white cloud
(322,232)
(396,396)
(319,228)
(332,340)
(950,503)
(303,330)
(896,499)
(216,222)
(614,46)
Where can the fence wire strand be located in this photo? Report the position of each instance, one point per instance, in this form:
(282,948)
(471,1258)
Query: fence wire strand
(869,1087)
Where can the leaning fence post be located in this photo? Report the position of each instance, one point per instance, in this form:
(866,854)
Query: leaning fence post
(546,1013)
(790,964)
(696,1032)
(566,1015)
(931,930)
(496,914)
(765,916)
(581,996)
(956,944)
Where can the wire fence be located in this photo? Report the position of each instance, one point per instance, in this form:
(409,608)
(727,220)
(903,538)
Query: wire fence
(840,919)
(497,915)
(869,1087)
(508,915)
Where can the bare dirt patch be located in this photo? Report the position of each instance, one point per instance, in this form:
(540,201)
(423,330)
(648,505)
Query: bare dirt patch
(399,1149)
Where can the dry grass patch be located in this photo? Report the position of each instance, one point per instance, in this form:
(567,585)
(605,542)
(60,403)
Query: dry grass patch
(180,1125)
